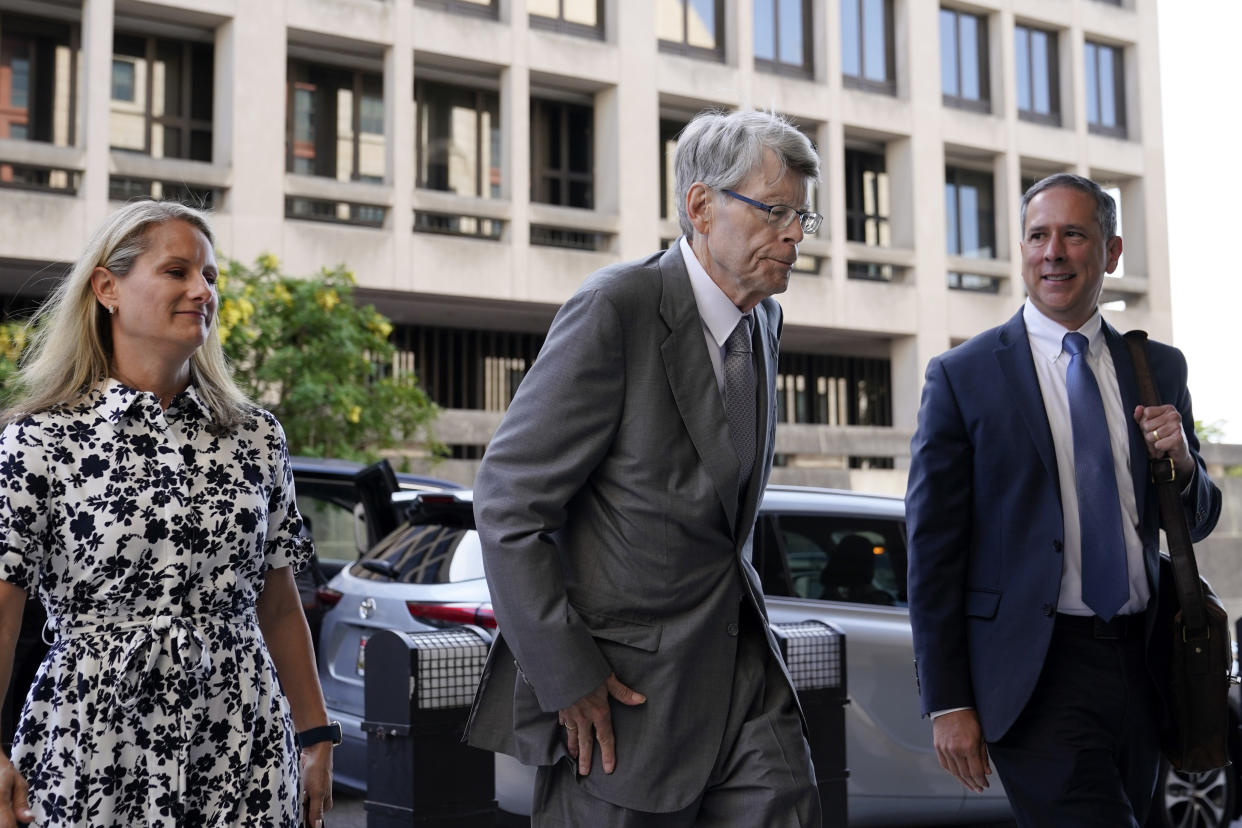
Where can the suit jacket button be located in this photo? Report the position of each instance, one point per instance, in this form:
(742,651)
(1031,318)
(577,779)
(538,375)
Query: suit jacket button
(1048,609)
(732,629)
(1058,546)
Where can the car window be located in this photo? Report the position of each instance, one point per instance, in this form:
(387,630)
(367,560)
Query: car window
(833,558)
(425,553)
(331,525)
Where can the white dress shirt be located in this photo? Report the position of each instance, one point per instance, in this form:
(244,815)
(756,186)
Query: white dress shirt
(716,310)
(1051,362)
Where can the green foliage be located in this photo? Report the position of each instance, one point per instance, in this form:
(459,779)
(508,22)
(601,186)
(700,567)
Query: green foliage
(13,337)
(1213,432)
(304,350)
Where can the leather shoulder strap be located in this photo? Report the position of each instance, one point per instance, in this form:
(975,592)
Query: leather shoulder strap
(1168,489)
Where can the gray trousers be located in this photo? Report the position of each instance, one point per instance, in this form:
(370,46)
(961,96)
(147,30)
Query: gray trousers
(762,776)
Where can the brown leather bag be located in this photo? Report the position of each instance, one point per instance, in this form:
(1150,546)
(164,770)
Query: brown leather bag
(1191,615)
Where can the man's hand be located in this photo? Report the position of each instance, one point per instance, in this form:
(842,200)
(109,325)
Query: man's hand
(1163,436)
(589,720)
(14,800)
(959,746)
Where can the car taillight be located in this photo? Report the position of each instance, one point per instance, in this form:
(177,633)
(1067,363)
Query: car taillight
(480,615)
(327,597)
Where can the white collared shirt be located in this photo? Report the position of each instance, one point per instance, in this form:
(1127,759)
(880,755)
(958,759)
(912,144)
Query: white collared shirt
(1051,362)
(716,310)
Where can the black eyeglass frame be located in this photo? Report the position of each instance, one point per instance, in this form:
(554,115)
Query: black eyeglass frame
(805,217)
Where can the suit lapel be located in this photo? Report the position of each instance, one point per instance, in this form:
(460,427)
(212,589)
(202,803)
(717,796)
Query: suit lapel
(690,376)
(1126,382)
(1018,367)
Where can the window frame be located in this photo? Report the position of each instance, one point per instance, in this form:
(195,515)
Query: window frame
(1053,69)
(885,87)
(776,66)
(565,176)
(1091,71)
(953,175)
(857,218)
(482,187)
(39,116)
(984,102)
(191,85)
(301,73)
(491,11)
(560,24)
(683,47)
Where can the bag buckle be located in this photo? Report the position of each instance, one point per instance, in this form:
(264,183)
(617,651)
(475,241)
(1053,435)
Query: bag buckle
(1159,470)
(1187,638)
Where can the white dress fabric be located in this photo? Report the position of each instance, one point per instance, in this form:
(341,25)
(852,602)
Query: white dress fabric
(147,534)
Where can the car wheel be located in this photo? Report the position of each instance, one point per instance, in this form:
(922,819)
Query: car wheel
(1193,800)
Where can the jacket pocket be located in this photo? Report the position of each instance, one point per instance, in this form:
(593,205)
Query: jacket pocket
(982,603)
(624,631)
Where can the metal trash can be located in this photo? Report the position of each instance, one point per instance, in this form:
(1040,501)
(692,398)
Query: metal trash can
(814,654)
(419,688)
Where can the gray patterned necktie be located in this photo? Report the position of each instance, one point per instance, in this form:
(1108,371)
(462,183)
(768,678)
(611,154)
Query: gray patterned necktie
(741,402)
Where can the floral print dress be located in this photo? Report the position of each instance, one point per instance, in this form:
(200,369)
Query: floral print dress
(147,534)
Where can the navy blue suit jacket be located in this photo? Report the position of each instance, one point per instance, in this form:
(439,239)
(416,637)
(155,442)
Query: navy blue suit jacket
(984,518)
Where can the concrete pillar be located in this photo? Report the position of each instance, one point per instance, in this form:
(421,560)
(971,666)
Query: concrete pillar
(399,127)
(94,106)
(252,81)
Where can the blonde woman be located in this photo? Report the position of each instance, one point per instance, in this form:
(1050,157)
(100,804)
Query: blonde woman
(152,508)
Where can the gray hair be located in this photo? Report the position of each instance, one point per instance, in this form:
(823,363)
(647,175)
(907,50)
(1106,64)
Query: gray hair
(720,149)
(1105,206)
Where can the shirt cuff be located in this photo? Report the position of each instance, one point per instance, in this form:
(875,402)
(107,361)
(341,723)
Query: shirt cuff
(936,714)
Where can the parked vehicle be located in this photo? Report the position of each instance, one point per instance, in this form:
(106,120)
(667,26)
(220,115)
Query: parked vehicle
(835,556)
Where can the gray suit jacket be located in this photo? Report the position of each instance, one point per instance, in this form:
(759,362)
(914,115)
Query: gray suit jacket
(607,505)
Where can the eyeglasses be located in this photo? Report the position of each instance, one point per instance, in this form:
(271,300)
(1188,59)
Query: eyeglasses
(782,216)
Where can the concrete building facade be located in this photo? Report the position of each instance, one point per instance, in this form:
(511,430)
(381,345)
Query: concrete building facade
(473,160)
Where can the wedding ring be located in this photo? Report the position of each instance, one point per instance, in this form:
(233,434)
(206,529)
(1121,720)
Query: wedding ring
(570,727)
(1155,434)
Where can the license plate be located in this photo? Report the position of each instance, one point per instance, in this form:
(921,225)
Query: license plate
(362,655)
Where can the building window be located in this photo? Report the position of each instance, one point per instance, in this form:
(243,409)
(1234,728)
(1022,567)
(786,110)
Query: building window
(123,80)
(482,8)
(833,390)
(561,153)
(970,220)
(161,97)
(866,198)
(1035,52)
(669,130)
(578,17)
(783,36)
(691,27)
(335,125)
(455,224)
(125,188)
(964,60)
(337,212)
(38,83)
(867,60)
(458,147)
(1106,90)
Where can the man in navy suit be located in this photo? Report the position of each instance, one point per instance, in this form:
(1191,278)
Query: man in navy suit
(1020,661)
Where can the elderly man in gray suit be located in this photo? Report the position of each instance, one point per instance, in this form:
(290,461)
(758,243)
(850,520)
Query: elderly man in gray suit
(616,505)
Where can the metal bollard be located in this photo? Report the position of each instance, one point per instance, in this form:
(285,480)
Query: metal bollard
(419,687)
(814,654)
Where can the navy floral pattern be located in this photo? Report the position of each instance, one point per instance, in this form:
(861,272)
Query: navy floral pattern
(147,534)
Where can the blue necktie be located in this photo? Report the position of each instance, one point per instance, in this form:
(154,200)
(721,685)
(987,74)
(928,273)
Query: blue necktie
(1105,582)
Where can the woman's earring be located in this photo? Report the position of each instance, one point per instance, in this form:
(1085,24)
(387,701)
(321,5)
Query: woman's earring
(112,310)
